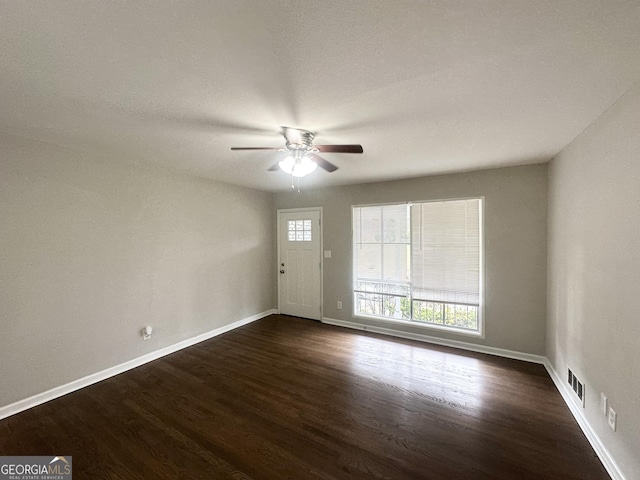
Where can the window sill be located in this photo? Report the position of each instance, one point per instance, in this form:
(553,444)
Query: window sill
(425,326)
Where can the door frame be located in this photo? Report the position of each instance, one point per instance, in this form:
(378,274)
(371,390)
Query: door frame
(282,211)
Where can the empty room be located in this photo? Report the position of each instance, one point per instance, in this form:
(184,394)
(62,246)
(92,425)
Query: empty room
(320,240)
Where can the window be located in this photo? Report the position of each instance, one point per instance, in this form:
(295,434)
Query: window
(299,230)
(420,263)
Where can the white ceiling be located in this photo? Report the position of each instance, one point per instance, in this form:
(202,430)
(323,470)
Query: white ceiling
(426,87)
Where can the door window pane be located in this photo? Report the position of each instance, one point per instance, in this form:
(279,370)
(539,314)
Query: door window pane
(299,230)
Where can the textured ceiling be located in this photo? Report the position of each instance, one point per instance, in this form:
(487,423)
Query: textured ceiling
(426,87)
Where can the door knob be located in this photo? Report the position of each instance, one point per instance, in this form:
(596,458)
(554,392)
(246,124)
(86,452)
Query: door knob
(281,271)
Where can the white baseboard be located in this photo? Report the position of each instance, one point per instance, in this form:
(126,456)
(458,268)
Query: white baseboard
(40,398)
(605,457)
(578,413)
(500,352)
(603,454)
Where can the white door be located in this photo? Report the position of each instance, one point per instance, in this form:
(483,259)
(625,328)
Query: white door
(300,263)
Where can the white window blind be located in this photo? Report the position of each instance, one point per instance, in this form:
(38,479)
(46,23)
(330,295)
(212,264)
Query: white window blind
(419,262)
(446,251)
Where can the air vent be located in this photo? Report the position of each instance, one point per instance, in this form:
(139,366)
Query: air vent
(576,385)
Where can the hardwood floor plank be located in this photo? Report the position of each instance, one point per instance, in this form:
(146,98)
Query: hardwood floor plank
(290,398)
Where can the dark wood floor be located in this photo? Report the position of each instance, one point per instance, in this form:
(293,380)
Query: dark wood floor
(291,398)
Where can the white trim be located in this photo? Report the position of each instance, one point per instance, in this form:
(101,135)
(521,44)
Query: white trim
(603,454)
(479,333)
(411,202)
(578,413)
(40,398)
(501,352)
(419,325)
(481,296)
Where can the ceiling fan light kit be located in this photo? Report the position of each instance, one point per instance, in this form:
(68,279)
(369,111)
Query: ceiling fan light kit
(298,165)
(303,156)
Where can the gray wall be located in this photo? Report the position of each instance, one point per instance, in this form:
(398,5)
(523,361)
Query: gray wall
(515,246)
(92,251)
(594,271)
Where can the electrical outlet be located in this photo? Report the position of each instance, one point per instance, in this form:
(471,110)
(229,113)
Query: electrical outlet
(339,305)
(603,404)
(612,419)
(146,332)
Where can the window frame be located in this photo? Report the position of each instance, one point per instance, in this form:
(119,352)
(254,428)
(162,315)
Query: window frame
(480,332)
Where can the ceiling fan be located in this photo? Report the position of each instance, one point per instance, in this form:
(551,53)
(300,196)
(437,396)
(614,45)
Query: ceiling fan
(303,156)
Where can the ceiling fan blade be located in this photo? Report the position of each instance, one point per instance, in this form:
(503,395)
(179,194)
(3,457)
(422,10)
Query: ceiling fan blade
(322,163)
(274,168)
(256,148)
(340,148)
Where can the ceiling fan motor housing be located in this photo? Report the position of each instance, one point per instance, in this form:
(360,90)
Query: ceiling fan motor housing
(297,139)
